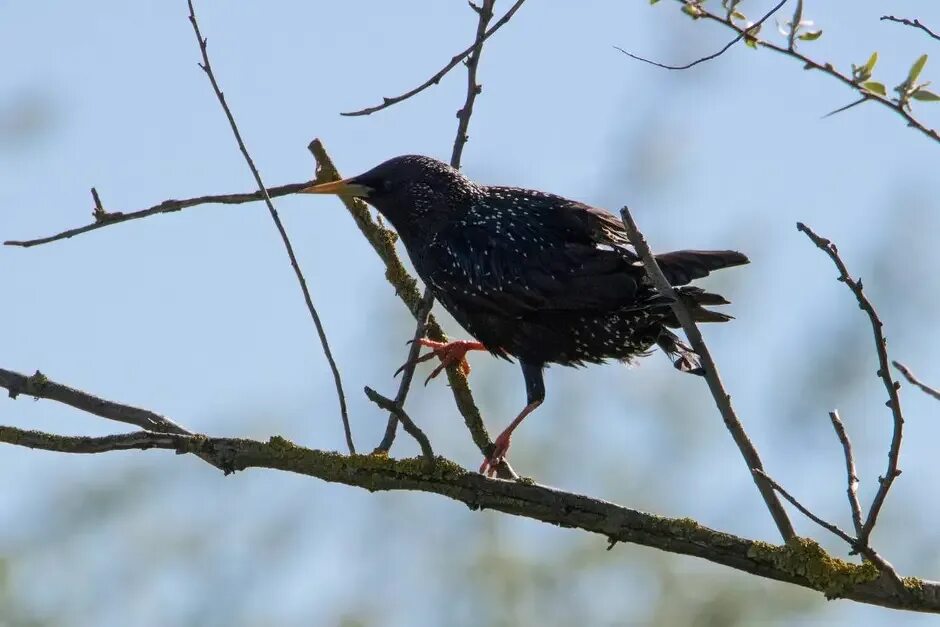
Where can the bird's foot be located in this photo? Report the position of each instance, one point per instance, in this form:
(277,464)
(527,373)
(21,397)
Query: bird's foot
(450,353)
(498,456)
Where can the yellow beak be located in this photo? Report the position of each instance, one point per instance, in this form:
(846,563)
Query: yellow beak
(344,187)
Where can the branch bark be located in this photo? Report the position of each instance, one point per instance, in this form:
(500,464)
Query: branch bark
(800,561)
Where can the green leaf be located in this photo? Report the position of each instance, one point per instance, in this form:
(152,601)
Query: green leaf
(653,1)
(737,15)
(872,60)
(692,10)
(925,96)
(876,88)
(916,69)
(810,36)
(750,36)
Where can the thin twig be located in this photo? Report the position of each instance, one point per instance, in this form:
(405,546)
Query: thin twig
(810,64)
(851,474)
(904,370)
(835,529)
(722,398)
(914,23)
(485,13)
(40,386)
(408,371)
(801,561)
(869,553)
(413,430)
(434,80)
(167,206)
(741,35)
(207,68)
(884,373)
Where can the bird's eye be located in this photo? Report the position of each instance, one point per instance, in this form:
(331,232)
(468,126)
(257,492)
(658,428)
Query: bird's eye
(386,185)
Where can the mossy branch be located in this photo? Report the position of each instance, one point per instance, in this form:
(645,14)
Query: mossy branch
(800,561)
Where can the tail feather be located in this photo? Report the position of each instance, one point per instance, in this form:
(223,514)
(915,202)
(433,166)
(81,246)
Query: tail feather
(684,266)
(695,299)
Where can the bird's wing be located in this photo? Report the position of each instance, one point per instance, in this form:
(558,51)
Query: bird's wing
(547,259)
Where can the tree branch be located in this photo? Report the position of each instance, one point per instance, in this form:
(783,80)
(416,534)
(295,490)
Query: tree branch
(167,206)
(801,562)
(337,380)
(884,373)
(809,64)
(870,554)
(904,370)
(851,475)
(434,80)
(749,33)
(915,23)
(722,398)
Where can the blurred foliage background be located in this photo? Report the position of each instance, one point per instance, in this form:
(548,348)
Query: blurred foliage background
(196,314)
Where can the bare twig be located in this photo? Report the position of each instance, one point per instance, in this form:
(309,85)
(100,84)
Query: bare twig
(884,373)
(434,80)
(810,64)
(835,529)
(337,380)
(722,398)
(40,386)
(408,371)
(904,370)
(851,474)
(413,430)
(167,206)
(749,32)
(869,553)
(801,561)
(485,13)
(914,23)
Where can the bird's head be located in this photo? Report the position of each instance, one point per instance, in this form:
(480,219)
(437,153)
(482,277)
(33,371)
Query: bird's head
(413,192)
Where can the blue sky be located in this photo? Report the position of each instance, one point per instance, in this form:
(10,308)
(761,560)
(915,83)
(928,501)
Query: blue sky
(197,315)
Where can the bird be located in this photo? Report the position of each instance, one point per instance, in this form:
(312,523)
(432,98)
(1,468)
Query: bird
(531,275)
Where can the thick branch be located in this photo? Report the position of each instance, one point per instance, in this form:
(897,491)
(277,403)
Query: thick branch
(434,80)
(884,373)
(801,562)
(722,398)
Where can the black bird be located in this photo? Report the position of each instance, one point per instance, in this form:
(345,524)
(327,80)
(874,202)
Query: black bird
(532,275)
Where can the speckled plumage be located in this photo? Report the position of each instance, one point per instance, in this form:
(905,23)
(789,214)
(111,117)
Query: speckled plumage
(536,276)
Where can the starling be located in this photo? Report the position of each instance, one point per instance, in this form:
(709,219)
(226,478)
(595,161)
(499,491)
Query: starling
(532,275)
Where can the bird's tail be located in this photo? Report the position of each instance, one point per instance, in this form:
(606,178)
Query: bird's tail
(684,266)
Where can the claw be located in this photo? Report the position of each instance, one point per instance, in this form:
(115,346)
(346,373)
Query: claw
(450,353)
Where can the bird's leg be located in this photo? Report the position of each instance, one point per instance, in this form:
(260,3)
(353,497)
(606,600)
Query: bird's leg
(449,352)
(535,394)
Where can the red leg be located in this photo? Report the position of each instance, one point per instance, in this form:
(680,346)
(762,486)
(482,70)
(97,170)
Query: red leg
(449,353)
(501,444)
